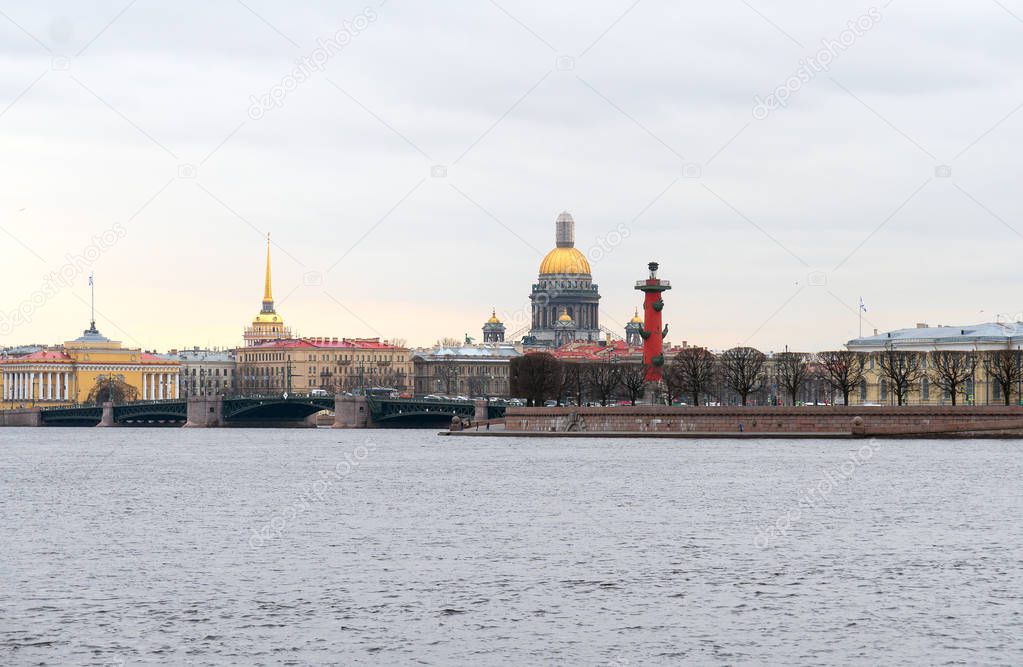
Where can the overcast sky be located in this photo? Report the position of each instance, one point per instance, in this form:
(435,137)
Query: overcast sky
(891,174)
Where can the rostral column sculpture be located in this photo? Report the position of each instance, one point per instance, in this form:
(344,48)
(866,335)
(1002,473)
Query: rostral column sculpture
(653,334)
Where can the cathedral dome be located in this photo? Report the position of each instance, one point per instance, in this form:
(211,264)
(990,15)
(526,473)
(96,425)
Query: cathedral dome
(565,261)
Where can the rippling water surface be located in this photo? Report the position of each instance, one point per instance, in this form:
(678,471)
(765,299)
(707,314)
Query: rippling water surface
(124,547)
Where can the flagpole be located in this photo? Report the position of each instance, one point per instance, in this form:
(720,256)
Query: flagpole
(859,311)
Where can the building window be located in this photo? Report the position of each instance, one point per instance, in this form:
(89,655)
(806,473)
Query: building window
(926,392)
(884,390)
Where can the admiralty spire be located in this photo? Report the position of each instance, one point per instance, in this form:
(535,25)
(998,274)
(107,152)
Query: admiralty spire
(268,325)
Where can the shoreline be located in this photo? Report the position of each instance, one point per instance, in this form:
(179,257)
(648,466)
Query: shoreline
(720,435)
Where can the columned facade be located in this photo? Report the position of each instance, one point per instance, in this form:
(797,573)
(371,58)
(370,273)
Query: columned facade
(564,286)
(39,385)
(89,368)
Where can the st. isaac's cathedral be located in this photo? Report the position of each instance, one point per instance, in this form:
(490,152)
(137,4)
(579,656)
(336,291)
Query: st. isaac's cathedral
(564,298)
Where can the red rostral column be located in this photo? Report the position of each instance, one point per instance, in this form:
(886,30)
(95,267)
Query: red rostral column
(653,334)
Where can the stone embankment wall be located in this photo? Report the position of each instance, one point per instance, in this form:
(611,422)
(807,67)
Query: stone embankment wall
(21,417)
(855,420)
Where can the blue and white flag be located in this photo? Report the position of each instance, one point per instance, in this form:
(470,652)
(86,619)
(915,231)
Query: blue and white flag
(863,306)
(90,279)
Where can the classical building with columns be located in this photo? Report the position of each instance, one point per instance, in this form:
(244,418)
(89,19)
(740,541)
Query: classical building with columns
(83,368)
(565,300)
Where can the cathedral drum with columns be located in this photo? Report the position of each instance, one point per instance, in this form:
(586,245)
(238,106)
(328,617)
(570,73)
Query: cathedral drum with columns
(565,300)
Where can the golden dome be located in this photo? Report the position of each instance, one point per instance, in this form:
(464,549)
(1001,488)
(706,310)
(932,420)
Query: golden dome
(267,318)
(493,318)
(565,317)
(565,261)
(636,319)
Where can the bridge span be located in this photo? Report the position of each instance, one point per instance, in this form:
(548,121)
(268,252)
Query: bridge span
(260,411)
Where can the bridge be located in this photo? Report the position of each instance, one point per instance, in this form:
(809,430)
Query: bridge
(260,411)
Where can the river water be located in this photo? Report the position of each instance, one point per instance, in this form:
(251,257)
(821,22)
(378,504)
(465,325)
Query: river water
(267,547)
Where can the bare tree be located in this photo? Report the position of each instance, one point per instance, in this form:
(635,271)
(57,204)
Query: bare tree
(448,341)
(793,372)
(535,377)
(112,389)
(952,370)
(633,380)
(604,378)
(696,368)
(1004,367)
(446,370)
(574,381)
(844,370)
(671,379)
(477,385)
(743,370)
(396,379)
(902,370)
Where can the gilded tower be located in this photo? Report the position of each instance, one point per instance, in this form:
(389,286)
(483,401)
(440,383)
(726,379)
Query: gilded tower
(634,330)
(493,329)
(268,325)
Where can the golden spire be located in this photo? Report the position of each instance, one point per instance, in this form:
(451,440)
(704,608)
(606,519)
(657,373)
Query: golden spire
(268,295)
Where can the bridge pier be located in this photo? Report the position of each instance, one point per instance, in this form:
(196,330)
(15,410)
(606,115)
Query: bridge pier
(108,415)
(22,417)
(482,412)
(352,412)
(205,412)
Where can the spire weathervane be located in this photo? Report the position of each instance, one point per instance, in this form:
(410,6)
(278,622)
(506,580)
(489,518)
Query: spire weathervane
(92,308)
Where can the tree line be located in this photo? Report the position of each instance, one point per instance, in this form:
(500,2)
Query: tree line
(697,376)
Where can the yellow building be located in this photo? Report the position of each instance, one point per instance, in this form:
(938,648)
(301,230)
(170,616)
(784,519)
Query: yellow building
(301,365)
(272,362)
(993,360)
(91,368)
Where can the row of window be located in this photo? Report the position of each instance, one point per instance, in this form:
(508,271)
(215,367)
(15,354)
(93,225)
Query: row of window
(925,390)
(206,371)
